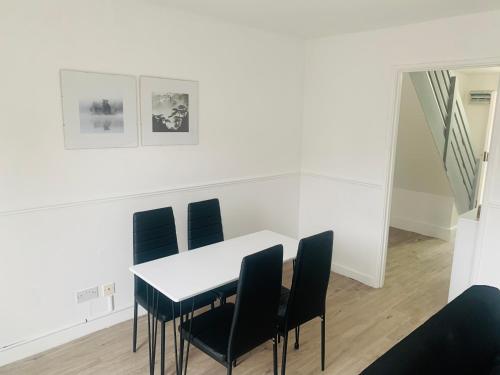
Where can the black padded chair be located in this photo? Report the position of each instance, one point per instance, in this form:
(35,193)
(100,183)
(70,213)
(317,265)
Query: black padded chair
(307,297)
(231,330)
(205,228)
(155,237)
(463,338)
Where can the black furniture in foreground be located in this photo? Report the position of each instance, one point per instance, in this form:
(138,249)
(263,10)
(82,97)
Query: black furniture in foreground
(461,339)
(231,330)
(205,228)
(307,297)
(155,237)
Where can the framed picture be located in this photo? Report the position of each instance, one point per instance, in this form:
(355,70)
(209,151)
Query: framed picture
(99,110)
(169,111)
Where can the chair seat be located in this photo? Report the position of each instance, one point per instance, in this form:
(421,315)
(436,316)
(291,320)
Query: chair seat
(210,331)
(165,305)
(227,290)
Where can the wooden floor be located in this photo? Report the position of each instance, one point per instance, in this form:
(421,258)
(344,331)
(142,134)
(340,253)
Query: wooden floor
(362,323)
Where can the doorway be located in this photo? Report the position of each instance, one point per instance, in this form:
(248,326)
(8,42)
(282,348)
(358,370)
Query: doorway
(439,170)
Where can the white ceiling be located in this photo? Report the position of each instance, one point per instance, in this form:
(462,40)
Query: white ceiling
(312,18)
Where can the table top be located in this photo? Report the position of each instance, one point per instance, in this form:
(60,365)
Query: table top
(193,272)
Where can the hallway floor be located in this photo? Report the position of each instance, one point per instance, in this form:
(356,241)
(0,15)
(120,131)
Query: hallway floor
(362,323)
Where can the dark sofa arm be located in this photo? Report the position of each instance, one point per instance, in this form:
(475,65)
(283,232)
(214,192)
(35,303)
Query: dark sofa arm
(462,338)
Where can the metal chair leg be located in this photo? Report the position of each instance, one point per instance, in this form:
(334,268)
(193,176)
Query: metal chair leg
(181,344)
(134,329)
(283,358)
(275,355)
(323,343)
(230,368)
(297,334)
(162,361)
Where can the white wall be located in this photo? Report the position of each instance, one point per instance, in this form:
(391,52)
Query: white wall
(348,131)
(65,216)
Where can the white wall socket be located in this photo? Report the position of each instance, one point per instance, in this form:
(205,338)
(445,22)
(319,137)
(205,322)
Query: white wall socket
(108,289)
(87,294)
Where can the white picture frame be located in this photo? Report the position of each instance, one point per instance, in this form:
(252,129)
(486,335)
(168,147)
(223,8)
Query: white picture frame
(169,111)
(99,110)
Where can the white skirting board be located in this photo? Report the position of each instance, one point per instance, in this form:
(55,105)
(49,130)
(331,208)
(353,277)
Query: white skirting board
(63,335)
(356,275)
(427,229)
(428,214)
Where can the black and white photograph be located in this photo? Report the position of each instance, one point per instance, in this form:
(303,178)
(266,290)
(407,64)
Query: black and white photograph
(99,110)
(101,116)
(170,112)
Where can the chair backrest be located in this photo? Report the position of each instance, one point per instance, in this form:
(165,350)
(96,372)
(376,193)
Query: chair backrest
(257,301)
(204,223)
(154,237)
(310,279)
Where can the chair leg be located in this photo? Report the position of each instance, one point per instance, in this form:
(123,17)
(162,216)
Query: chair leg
(181,346)
(323,343)
(297,334)
(134,329)
(275,355)
(162,361)
(230,368)
(283,358)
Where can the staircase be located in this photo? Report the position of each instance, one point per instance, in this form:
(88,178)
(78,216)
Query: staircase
(439,97)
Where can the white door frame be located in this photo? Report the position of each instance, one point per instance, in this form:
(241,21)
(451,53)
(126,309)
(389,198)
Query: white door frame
(486,148)
(393,136)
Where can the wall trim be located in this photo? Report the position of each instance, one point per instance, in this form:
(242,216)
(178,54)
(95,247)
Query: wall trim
(353,274)
(187,188)
(344,180)
(168,190)
(39,344)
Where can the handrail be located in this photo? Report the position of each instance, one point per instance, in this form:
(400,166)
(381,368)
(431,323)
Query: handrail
(458,154)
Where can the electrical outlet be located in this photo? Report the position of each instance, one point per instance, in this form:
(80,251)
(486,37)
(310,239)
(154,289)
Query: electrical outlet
(87,294)
(108,289)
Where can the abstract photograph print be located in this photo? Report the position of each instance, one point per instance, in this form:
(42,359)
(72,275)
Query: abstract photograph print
(169,111)
(99,110)
(101,115)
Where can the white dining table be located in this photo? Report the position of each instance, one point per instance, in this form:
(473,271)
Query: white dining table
(181,277)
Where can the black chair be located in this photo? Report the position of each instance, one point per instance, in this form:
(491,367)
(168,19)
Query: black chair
(205,228)
(155,237)
(231,330)
(307,297)
(463,338)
